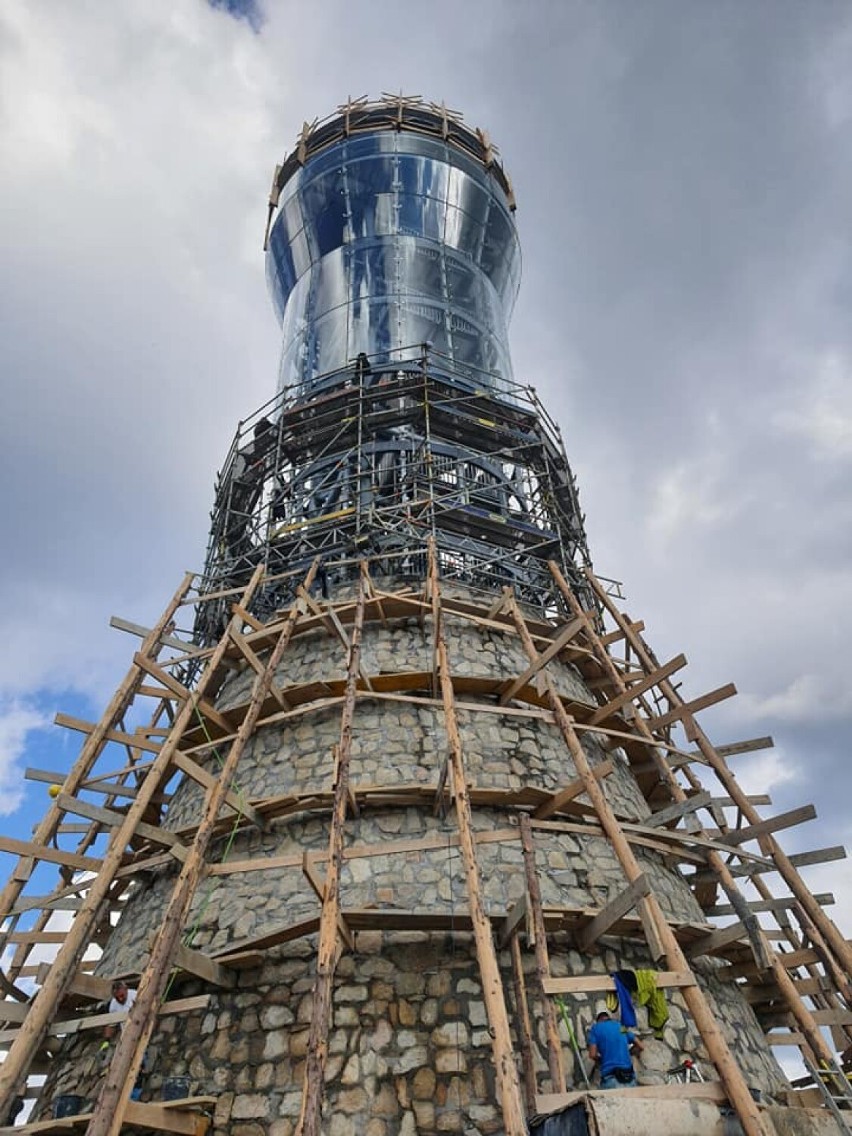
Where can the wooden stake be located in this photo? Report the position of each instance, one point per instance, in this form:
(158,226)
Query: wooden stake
(542,959)
(508,1087)
(310,1115)
(111,1104)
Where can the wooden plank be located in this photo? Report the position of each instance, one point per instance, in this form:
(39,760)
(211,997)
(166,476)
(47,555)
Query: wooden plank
(523,1023)
(517,913)
(701,1090)
(48,853)
(208,781)
(687,709)
(201,965)
(615,636)
(632,692)
(818,856)
(782,904)
(184,693)
(716,940)
(120,737)
(542,958)
(595,983)
(87,985)
(561,641)
(112,819)
(96,1021)
(571,791)
(502,1051)
(310,1113)
(772,824)
(171,1116)
(141,632)
(743,747)
(587,936)
(130,1049)
(678,809)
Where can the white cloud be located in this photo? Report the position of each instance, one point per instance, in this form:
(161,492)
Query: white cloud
(689,496)
(819,409)
(18,719)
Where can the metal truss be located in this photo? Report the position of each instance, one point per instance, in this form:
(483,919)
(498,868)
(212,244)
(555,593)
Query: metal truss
(378,459)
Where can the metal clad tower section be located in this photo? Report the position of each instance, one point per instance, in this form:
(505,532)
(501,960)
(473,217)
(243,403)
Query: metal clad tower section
(393,264)
(393,231)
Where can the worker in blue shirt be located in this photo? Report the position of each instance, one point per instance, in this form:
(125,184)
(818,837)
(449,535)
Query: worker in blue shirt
(611,1048)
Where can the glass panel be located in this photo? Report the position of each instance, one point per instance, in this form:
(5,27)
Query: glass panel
(463,232)
(330,289)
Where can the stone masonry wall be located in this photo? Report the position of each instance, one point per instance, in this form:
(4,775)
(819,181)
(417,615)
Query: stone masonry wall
(409,1046)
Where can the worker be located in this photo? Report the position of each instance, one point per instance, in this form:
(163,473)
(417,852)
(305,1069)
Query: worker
(122,1001)
(611,1048)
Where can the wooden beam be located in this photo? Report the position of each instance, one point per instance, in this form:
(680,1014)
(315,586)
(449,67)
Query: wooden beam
(523,1023)
(687,709)
(204,967)
(716,940)
(587,936)
(595,983)
(572,790)
(542,958)
(561,641)
(97,1021)
(257,666)
(756,905)
(141,632)
(505,1068)
(632,692)
(207,780)
(678,810)
(618,634)
(772,824)
(132,741)
(517,913)
(124,1068)
(310,1113)
(734,748)
(202,706)
(113,819)
(46,852)
(818,856)
(700,1090)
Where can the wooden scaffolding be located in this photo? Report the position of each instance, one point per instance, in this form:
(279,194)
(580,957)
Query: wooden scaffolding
(67,885)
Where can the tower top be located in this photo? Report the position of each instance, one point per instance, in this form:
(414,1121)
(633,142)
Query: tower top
(400,112)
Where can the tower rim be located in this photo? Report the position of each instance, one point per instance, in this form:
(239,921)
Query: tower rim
(395,113)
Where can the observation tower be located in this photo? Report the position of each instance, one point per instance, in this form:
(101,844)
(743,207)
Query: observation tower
(394,791)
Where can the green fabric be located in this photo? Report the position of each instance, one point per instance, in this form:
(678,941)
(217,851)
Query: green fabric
(648,995)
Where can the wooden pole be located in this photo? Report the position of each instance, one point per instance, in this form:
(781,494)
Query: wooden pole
(523,1021)
(542,959)
(310,1115)
(79,935)
(766,957)
(735,1085)
(94,743)
(109,1110)
(508,1087)
(767,843)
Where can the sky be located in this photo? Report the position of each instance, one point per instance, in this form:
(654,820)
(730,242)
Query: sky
(683,172)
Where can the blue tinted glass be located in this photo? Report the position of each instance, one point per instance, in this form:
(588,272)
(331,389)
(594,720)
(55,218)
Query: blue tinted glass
(387,241)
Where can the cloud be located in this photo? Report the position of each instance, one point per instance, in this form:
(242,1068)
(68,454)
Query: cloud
(18,719)
(821,410)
